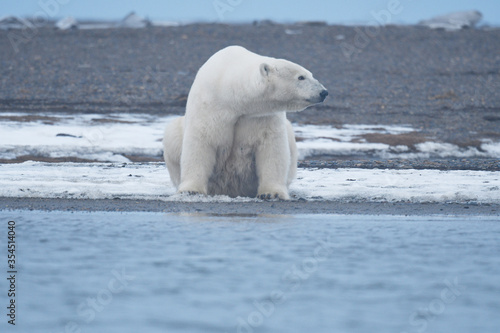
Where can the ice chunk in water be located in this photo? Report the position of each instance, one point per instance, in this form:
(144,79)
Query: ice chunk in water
(67,23)
(133,20)
(454,21)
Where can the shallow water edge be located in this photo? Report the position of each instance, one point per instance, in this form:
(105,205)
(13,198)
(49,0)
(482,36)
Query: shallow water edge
(199,273)
(252,208)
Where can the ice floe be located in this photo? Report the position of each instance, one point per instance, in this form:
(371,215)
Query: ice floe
(454,21)
(67,23)
(133,20)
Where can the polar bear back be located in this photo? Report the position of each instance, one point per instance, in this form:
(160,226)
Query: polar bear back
(231,73)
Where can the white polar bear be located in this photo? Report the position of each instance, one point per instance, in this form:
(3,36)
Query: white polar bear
(235,139)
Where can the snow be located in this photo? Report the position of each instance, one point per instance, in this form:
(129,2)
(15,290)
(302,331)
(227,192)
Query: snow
(150,181)
(327,140)
(398,185)
(348,140)
(111,138)
(88,136)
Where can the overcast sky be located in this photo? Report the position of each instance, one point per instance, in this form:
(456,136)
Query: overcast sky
(335,11)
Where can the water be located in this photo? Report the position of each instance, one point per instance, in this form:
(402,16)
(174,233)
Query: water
(151,272)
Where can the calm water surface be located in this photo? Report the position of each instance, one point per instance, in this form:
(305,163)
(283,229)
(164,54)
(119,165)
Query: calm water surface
(151,272)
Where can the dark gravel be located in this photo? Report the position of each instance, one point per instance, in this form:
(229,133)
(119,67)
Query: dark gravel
(448,164)
(446,85)
(253,208)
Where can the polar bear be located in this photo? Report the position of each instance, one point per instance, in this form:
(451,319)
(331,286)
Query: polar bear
(234,138)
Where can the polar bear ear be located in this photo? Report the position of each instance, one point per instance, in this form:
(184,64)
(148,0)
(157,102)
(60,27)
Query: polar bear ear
(265,69)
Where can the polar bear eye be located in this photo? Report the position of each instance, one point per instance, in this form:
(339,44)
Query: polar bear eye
(301,78)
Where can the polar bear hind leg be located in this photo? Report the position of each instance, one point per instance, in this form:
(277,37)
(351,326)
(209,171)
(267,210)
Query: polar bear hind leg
(172,148)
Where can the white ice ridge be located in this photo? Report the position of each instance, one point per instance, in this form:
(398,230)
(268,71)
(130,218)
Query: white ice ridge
(454,21)
(113,137)
(150,181)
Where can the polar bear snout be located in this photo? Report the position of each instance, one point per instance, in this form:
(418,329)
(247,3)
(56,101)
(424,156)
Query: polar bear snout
(323,94)
(318,98)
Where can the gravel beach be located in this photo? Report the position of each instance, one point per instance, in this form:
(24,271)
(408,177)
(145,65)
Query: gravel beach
(253,208)
(444,84)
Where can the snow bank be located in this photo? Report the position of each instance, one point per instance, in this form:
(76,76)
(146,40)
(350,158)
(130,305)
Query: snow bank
(114,138)
(349,140)
(111,138)
(150,181)
(398,185)
(87,136)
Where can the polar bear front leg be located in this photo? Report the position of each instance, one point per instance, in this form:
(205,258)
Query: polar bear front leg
(272,161)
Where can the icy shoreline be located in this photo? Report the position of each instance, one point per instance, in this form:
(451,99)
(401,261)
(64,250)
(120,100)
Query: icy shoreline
(150,181)
(122,138)
(111,142)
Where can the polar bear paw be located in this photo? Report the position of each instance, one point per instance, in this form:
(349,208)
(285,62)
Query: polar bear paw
(268,196)
(191,193)
(192,189)
(273,195)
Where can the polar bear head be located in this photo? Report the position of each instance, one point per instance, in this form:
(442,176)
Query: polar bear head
(290,86)
(239,82)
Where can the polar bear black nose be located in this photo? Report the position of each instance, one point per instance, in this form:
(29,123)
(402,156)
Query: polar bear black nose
(323,94)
